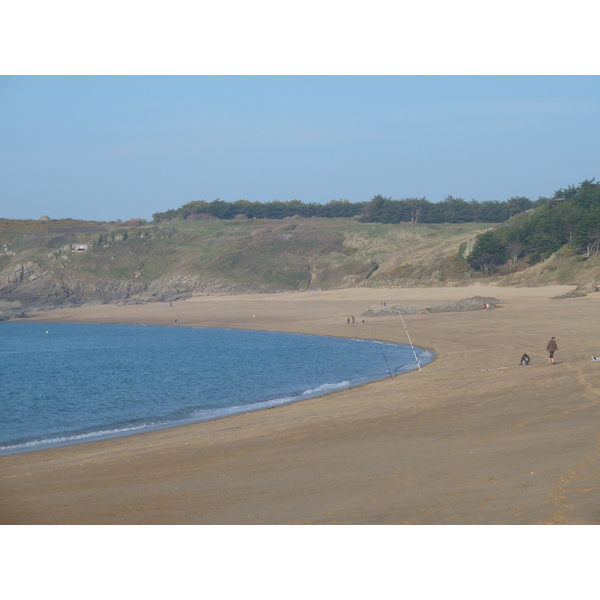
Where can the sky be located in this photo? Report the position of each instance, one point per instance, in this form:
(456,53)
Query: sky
(120,147)
(132,110)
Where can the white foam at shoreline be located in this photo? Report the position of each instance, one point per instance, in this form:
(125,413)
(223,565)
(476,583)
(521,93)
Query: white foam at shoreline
(185,415)
(196,416)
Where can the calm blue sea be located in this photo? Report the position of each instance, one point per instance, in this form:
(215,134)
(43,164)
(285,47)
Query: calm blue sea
(67,383)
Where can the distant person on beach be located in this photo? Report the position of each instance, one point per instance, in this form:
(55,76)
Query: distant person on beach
(551,348)
(525,359)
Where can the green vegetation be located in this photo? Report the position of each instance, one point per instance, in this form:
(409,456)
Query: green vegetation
(450,210)
(568,223)
(65,262)
(377,210)
(223,256)
(219,209)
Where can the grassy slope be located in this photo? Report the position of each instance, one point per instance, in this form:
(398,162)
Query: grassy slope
(324,253)
(154,262)
(560,268)
(291,254)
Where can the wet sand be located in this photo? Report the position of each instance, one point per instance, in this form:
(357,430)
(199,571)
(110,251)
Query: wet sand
(449,445)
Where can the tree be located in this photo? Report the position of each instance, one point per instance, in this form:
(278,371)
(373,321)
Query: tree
(417,207)
(592,243)
(493,211)
(456,210)
(518,204)
(515,248)
(221,209)
(379,210)
(489,252)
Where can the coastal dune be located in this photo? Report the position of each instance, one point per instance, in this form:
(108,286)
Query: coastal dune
(473,438)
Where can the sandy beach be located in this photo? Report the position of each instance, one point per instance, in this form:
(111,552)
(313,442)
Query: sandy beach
(453,444)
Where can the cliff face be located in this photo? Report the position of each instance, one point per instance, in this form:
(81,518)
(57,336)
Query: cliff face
(64,263)
(44,292)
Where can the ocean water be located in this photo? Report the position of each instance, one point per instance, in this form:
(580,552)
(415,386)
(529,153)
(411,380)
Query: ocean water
(67,383)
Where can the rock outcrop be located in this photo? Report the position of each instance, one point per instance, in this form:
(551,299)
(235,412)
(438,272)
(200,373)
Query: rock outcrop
(24,288)
(20,272)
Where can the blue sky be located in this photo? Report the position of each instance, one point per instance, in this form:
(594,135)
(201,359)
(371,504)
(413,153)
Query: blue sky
(119,147)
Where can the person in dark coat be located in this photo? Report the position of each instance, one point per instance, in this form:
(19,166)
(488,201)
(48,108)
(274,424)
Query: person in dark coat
(551,348)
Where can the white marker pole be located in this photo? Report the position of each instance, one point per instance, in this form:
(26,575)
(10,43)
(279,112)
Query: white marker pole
(411,345)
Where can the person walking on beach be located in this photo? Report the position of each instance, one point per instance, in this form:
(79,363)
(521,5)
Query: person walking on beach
(551,348)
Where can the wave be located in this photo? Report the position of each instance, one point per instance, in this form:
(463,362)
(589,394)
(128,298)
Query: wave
(327,387)
(203,404)
(207,414)
(194,415)
(62,440)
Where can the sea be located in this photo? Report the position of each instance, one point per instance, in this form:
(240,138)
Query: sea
(69,383)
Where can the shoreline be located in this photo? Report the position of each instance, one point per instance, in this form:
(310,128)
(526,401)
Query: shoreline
(448,445)
(146,424)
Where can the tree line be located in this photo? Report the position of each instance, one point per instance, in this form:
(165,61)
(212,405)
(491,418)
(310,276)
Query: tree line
(570,220)
(449,210)
(377,210)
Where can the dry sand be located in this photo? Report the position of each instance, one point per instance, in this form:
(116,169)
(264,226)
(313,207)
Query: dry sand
(451,445)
